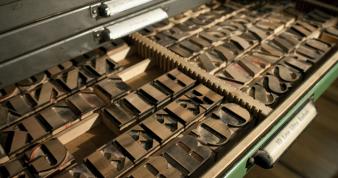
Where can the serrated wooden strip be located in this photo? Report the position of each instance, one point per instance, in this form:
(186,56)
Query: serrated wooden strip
(168,60)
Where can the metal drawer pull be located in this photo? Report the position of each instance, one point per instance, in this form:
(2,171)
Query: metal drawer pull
(113,7)
(267,156)
(136,23)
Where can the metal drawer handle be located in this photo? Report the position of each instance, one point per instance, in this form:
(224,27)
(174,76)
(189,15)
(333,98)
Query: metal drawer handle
(114,7)
(133,24)
(268,155)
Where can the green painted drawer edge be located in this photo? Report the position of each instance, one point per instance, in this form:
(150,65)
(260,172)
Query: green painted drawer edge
(239,169)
